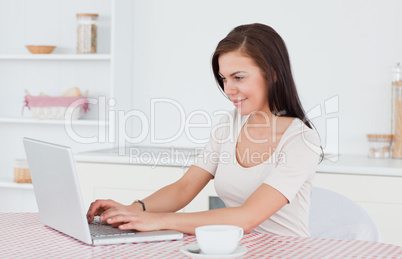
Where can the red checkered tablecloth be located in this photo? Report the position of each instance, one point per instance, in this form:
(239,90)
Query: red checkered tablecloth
(23,236)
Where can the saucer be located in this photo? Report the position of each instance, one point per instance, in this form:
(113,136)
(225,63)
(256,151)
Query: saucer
(239,251)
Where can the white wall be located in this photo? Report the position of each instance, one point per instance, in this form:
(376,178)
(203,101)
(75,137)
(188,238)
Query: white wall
(338,48)
(47,22)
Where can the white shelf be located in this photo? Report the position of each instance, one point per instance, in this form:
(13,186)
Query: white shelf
(51,122)
(9,184)
(56,57)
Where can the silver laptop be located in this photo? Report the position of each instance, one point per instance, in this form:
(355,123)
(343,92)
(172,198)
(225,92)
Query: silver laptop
(59,200)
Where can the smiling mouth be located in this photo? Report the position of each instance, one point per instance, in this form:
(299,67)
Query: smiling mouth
(238,102)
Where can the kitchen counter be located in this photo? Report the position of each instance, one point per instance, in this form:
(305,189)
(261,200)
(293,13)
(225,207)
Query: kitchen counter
(142,155)
(184,157)
(362,165)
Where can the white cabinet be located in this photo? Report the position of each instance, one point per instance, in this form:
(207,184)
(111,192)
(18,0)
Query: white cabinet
(106,75)
(17,197)
(123,183)
(126,183)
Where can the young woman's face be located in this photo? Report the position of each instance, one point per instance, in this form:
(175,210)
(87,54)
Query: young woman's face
(243,83)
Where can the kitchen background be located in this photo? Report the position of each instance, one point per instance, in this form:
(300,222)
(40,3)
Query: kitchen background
(338,49)
(341,53)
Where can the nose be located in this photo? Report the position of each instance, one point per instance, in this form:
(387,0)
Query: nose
(230,88)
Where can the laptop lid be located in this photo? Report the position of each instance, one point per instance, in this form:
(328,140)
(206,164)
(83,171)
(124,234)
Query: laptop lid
(59,199)
(56,188)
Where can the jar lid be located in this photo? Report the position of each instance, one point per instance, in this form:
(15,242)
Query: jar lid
(397,83)
(20,163)
(383,136)
(88,14)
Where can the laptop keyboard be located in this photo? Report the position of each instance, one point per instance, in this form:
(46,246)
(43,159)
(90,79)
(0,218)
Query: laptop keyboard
(102,229)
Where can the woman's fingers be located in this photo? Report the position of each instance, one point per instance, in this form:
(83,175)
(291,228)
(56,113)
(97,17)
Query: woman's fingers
(119,220)
(118,216)
(116,225)
(93,209)
(132,219)
(113,212)
(98,207)
(128,225)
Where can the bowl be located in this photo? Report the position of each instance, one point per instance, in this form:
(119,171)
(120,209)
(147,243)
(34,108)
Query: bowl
(40,49)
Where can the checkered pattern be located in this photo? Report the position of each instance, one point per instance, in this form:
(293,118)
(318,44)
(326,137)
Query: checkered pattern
(23,236)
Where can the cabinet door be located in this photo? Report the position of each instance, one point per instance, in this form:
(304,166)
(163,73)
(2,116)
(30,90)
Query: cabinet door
(17,200)
(388,218)
(380,196)
(123,183)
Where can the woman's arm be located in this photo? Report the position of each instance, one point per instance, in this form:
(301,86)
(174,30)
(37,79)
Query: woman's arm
(176,196)
(261,205)
(170,198)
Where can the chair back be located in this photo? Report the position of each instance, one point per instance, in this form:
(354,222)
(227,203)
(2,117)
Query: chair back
(333,215)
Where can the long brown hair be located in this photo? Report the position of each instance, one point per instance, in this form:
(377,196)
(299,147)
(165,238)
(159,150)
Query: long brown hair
(268,50)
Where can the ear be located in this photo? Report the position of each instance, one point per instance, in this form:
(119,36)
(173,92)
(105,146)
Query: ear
(275,76)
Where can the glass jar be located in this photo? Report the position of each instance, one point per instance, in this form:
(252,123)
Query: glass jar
(396,116)
(21,171)
(86,33)
(379,145)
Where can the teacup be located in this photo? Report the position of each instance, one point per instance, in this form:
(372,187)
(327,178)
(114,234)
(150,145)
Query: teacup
(218,239)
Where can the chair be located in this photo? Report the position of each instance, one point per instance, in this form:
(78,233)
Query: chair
(333,215)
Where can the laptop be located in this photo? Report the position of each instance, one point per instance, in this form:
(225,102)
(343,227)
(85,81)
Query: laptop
(60,203)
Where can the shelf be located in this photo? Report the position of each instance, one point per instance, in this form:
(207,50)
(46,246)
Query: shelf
(9,184)
(51,122)
(56,57)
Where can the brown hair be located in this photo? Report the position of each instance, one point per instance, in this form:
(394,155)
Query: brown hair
(268,50)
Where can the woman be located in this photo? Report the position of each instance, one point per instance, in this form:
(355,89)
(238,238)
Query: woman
(266,182)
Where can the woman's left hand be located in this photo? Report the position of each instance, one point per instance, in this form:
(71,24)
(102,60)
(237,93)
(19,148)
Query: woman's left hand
(126,218)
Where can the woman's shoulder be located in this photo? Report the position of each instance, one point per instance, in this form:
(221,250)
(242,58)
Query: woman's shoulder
(299,131)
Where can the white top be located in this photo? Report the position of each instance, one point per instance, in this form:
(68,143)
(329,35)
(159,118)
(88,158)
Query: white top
(290,170)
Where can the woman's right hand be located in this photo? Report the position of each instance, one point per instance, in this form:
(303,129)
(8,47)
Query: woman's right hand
(99,206)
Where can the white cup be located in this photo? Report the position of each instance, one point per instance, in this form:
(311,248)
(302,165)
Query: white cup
(218,239)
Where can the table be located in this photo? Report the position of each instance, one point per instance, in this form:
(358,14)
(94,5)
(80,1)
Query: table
(23,236)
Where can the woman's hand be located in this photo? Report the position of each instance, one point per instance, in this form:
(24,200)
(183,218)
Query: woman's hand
(124,217)
(99,206)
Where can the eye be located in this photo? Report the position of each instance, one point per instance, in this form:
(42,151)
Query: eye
(223,79)
(238,78)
